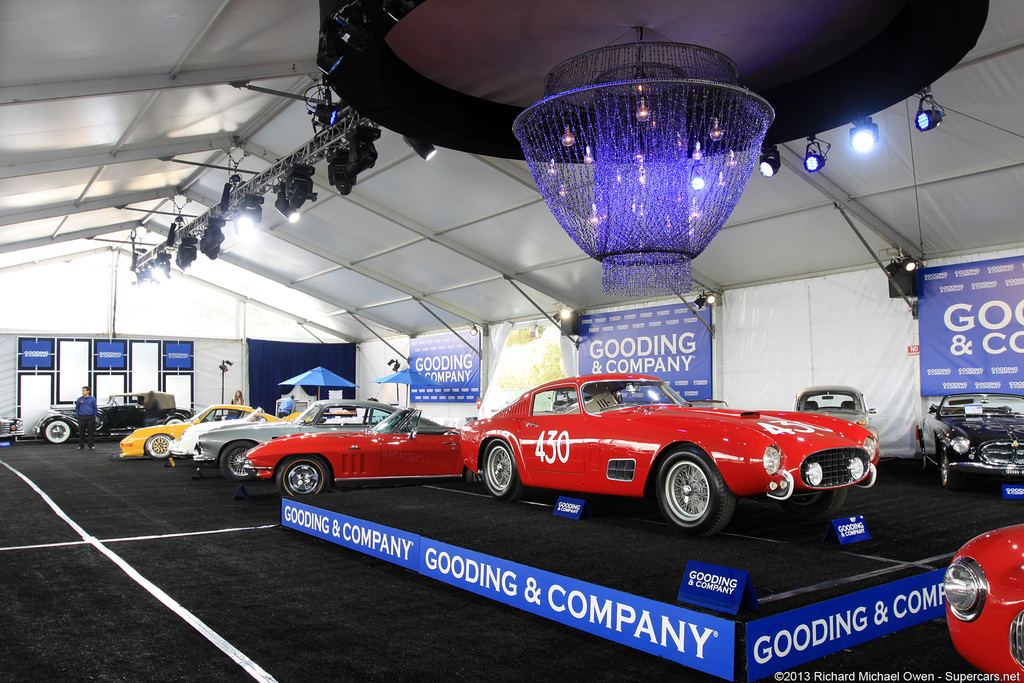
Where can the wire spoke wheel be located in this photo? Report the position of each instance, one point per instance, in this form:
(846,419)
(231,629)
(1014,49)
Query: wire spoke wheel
(687,491)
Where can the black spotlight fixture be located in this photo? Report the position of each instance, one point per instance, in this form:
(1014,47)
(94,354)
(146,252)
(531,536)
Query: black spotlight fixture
(701,299)
(815,155)
(394,364)
(424,149)
(298,186)
(929,114)
(249,213)
(326,114)
(362,154)
(711,299)
(172,232)
(864,135)
(162,266)
(225,195)
(770,161)
(187,252)
(337,173)
(213,237)
(285,208)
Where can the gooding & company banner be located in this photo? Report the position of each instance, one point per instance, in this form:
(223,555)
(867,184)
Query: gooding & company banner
(453,366)
(669,342)
(971,326)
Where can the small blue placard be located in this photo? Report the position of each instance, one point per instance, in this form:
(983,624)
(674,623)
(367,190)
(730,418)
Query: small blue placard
(719,588)
(847,530)
(5,444)
(573,508)
(1013,490)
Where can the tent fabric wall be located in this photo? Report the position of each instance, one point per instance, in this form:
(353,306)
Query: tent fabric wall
(271,362)
(839,329)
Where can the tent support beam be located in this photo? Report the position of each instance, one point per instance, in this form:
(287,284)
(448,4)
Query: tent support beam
(911,304)
(438,318)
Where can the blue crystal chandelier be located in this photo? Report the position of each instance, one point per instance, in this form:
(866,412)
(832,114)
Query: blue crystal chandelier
(641,151)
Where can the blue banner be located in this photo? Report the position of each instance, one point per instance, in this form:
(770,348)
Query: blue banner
(971,327)
(177,355)
(111,354)
(35,353)
(792,638)
(669,342)
(696,640)
(384,543)
(446,360)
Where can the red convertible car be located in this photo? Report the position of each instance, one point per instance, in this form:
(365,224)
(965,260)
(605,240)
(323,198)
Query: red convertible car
(631,435)
(402,446)
(984,587)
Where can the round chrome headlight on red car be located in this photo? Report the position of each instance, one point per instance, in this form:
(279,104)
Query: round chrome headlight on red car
(772,459)
(871,446)
(966,588)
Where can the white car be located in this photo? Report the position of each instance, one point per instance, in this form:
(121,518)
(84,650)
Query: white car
(185,445)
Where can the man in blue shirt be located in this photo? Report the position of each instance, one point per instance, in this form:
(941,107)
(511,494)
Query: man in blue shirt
(287,406)
(85,411)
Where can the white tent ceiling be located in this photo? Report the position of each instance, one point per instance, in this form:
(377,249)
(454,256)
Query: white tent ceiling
(96,95)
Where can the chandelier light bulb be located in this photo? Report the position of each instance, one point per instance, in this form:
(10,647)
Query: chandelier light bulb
(716,131)
(588,157)
(697,154)
(642,112)
(732,159)
(561,191)
(568,139)
(551,168)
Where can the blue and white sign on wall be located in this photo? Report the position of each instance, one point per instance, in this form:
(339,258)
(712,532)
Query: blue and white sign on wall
(177,355)
(111,355)
(35,354)
(669,342)
(971,326)
(449,362)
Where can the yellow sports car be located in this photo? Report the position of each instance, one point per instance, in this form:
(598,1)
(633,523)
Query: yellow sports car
(155,441)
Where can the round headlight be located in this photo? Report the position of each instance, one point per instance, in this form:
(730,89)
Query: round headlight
(813,473)
(870,445)
(966,588)
(856,468)
(772,459)
(960,444)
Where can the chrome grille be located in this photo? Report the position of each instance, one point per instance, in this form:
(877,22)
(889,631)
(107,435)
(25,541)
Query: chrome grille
(835,466)
(1002,452)
(1017,638)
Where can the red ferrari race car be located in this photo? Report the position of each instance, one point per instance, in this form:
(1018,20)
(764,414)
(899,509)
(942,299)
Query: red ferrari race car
(984,587)
(630,435)
(401,446)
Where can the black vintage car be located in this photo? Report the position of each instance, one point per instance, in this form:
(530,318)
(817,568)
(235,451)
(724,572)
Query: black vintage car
(120,416)
(975,435)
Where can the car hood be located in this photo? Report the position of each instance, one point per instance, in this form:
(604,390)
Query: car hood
(798,431)
(989,427)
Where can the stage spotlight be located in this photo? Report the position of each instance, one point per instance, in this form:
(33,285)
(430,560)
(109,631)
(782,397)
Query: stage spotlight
(172,232)
(337,175)
(712,299)
(285,207)
(424,149)
(864,135)
(815,156)
(298,186)
(474,331)
(701,300)
(326,114)
(929,114)
(162,267)
(394,364)
(225,195)
(770,161)
(213,237)
(910,265)
(186,252)
(249,214)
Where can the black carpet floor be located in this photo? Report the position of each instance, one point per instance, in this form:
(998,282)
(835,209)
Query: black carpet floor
(274,600)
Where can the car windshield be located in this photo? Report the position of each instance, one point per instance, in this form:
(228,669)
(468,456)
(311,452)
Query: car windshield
(829,400)
(982,404)
(308,415)
(605,395)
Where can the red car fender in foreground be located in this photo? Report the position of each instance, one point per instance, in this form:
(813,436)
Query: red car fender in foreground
(984,587)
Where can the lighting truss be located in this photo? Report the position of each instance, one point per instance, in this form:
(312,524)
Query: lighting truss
(328,142)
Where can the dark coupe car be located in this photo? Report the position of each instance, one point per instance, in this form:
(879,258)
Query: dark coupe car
(120,416)
(403,446)
(975,435)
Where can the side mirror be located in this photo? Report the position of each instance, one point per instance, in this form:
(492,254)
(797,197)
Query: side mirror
(932,409)
(412,434)
(872,411)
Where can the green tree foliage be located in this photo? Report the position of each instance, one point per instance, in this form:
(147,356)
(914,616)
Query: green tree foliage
(528,361)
